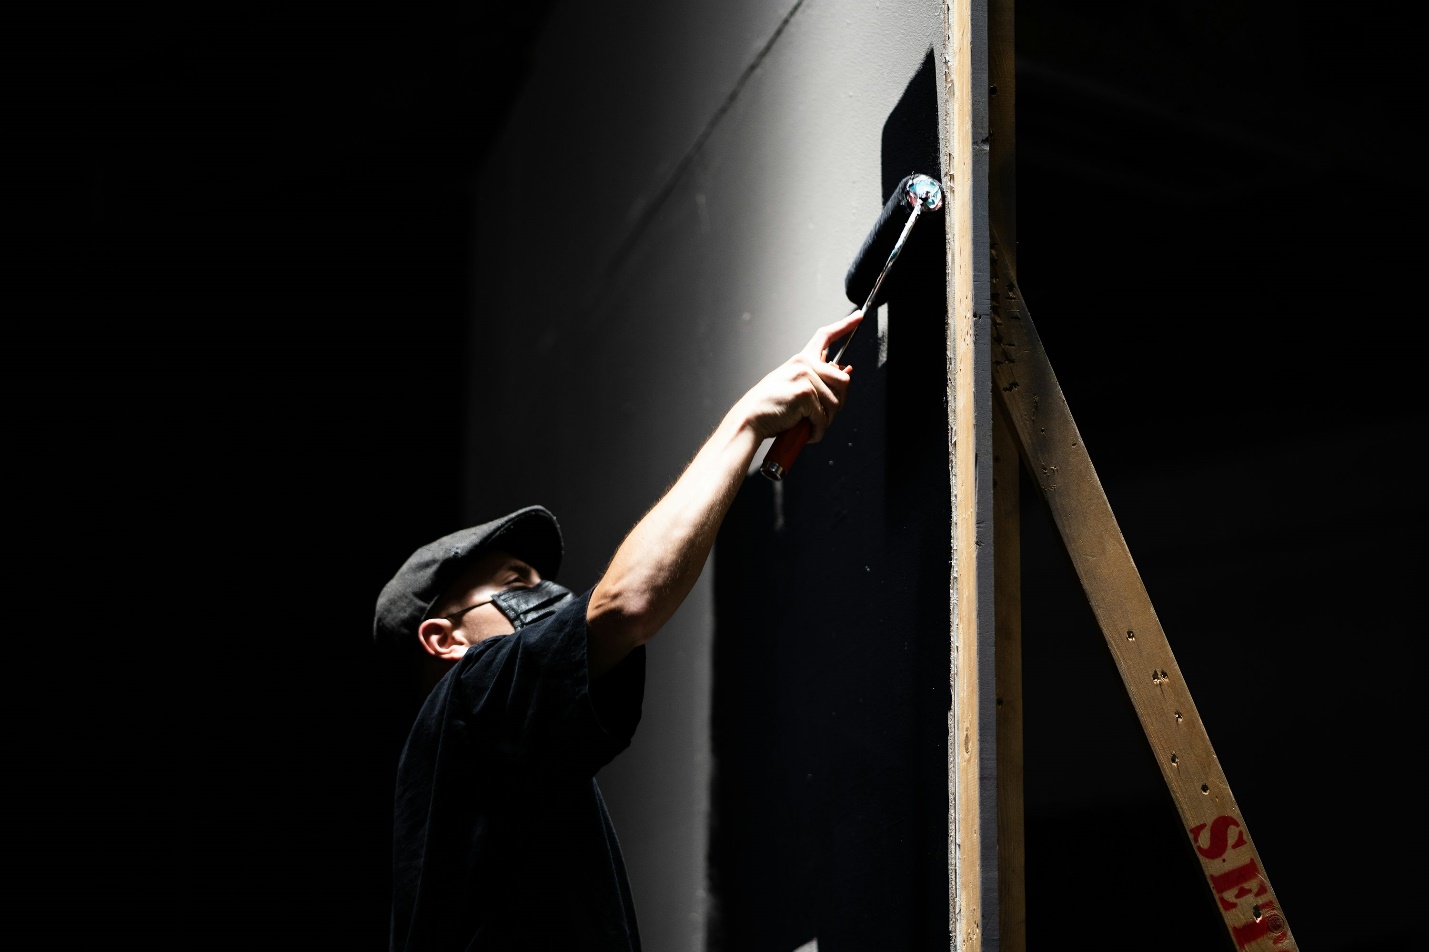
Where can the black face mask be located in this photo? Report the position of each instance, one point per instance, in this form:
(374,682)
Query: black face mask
(522,606)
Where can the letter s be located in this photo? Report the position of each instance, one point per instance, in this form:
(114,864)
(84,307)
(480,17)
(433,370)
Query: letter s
(1219,837)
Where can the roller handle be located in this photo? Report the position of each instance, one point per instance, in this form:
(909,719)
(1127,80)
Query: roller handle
(785,449)
(915,194)
(787,445)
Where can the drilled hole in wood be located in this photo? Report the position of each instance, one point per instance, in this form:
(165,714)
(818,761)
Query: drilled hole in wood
(1130,635)
(1205,788)
(1178,717)
(1174,761)
(1256,911)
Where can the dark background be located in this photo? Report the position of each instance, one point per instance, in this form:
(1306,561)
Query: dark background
(1218,213)
(241,299)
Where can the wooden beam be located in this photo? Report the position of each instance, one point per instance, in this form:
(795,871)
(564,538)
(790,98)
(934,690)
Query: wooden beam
(1055,457)
(1007,520)
(972,724)
(1007,584)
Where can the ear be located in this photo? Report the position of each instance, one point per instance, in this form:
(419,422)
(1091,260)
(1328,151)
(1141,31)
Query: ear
(438,639)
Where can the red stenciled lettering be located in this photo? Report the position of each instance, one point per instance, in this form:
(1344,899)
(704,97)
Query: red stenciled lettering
(1220,837)
(1239,879)
(1270,922)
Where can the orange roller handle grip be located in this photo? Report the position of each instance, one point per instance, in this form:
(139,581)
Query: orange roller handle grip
(785,449)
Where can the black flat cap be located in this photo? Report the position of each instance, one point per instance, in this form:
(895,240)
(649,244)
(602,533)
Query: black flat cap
(531,534)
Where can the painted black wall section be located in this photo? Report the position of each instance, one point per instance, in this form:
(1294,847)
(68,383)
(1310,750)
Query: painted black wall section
(831,648)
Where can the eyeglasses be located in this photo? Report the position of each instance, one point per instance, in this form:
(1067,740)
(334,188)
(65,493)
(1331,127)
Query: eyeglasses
(462,611)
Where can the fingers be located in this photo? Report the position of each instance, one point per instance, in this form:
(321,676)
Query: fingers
(806,386)
(823,416)
(828,387)
(818,345)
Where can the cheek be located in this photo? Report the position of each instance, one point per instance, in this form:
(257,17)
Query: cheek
(492,623)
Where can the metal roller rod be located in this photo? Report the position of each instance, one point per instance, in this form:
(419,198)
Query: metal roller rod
(923,192)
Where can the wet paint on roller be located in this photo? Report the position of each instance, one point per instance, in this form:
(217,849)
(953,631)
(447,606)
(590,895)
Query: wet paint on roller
(882,334)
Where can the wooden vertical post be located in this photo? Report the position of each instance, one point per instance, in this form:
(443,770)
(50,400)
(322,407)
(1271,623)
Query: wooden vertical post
(1007,520)
(972,724)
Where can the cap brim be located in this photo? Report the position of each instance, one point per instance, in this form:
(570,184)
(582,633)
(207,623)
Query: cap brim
(530,534)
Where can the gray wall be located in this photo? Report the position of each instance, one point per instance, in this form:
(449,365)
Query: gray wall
(670,214)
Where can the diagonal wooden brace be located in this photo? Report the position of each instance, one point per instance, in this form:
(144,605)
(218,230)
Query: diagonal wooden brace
(1053,454)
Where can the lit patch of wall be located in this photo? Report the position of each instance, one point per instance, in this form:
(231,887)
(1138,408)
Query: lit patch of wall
(670,214)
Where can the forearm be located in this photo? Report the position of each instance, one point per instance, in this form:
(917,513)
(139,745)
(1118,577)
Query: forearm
(659,561)
(662,557)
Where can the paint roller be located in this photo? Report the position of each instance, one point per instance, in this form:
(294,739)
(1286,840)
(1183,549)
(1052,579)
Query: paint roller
(914,195)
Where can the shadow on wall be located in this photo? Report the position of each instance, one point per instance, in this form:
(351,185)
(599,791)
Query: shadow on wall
(831,651)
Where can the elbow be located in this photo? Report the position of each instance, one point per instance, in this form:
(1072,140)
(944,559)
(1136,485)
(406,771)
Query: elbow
(622,616)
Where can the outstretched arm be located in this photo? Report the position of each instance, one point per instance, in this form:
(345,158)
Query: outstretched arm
(661,558)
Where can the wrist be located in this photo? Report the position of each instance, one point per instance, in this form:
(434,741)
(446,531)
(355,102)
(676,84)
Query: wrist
(749,419)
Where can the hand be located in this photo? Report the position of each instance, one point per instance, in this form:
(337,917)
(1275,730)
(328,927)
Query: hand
(658,563)
(806,385)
